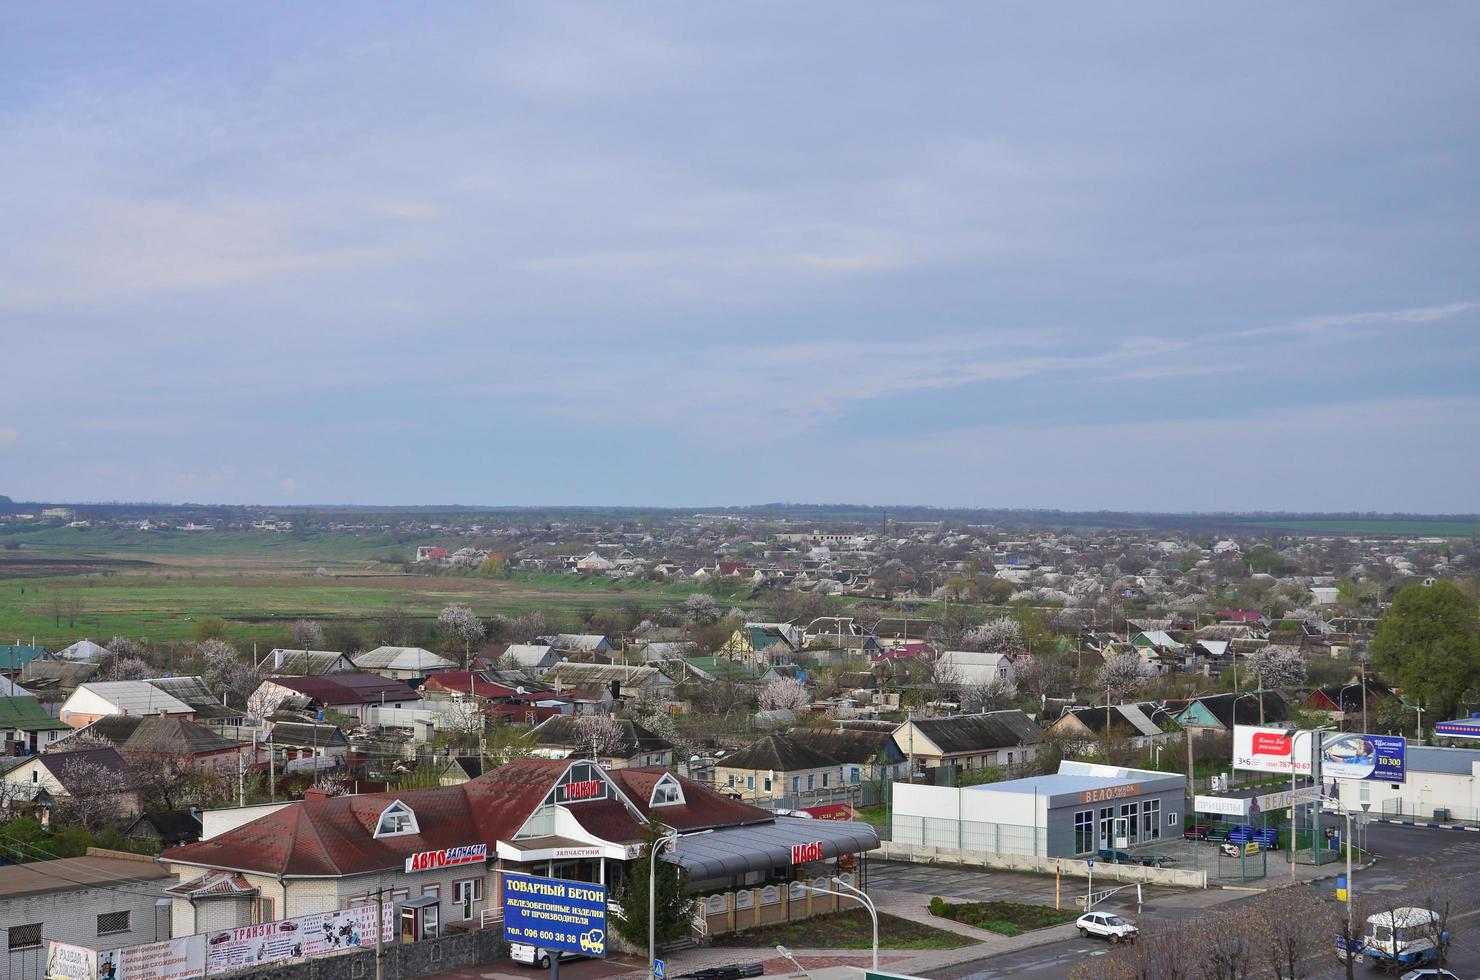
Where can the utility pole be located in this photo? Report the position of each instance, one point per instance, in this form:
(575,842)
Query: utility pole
(380,930)
(241,777)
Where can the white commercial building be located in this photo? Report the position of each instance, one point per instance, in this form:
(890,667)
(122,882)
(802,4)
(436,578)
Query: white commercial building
(1441,784)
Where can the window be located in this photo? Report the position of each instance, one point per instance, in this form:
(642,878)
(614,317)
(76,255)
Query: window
(750,782)
(667,792)
(1084,831)
(434,890)
(395,820)
(24,937)
(264,910)
(35,775)
(768,784)
(811,780)
(824,780)
(1364,792)
(853,775)
(1151,819)
(400,894)
(1130,811)
(796,784)
(111,923)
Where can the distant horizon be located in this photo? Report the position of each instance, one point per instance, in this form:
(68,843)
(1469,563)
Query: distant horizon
(882,509)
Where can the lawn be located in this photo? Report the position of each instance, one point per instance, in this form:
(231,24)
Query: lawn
(845,930)
(1401,528)
(1007,918)
(878,816)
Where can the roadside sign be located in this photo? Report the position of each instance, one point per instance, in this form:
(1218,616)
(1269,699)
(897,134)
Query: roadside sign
(660,970)
(1090,862)
(1251,847)
(555,914)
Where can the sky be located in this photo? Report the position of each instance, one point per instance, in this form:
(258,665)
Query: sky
(1143,256)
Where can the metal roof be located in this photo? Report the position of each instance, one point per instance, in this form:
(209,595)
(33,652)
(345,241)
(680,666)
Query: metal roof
(737,850)
(1426,758)
(140,697)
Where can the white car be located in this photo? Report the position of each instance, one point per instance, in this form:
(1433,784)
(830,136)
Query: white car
(1107,925)
(535,956)
(1429,973)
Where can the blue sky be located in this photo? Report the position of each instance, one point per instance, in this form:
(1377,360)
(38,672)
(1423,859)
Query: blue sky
(1145,256)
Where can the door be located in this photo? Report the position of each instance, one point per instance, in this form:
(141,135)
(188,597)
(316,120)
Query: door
(465,895)
(1122,832)
(1107,828)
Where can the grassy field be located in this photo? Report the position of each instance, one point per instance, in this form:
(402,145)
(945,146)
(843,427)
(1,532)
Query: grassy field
(846,930)
(1007,918)
(1451,529)
(164,604)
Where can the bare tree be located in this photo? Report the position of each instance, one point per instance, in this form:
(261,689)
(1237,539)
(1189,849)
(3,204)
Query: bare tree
(602,734)
(122,646)
(998,636)
(787,694)
(1046,675)
(1437,894)
(527,626)
(461,624)
(306,634)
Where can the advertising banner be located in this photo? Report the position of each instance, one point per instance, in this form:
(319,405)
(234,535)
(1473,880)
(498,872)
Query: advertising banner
(172,959)
(554,914)
(287,939)
(1379,758)
(1262,749)
(67,962)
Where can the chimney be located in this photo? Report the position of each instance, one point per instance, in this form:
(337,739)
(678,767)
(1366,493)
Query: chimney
(315,793)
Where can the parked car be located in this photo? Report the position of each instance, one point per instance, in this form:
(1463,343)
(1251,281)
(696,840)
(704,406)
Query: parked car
(1429,973)
(1196,831)
(536,956)
(1107,925)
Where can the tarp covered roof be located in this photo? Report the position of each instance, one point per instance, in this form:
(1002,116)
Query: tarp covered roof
(737,850)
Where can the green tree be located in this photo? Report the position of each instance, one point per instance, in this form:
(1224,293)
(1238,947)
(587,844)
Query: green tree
(674,906)
(1427,644)
(210,628)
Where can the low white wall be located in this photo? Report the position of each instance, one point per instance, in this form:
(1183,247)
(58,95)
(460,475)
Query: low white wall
(922,854)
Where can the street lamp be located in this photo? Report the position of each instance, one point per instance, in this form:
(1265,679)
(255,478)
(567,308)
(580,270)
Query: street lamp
(1341,701)
(858,896)
(800,969)
(1419,709)
(1350,891)
(654,849)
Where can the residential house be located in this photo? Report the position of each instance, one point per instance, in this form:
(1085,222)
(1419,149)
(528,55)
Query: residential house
(1141,724)
(290,741)
(568,643)
(535,658)
(752,640)
(166,828)
(776,767)
(10,689)
(43,781)
(14,657)
(1216,714)
(622,681)
(173,735)
(347,694)
(1341,702)
(562,737)
(307,662)
(27,728)
(862,755)
(97,699)
(83,650)
(56,679)
(403,663)
(209,707)
(971,669)
(1003,738)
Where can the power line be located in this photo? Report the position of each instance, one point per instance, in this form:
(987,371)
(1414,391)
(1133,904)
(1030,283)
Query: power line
(31,864)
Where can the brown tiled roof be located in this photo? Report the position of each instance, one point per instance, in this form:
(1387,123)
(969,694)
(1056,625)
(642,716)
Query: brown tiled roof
(610,820)
(702,808)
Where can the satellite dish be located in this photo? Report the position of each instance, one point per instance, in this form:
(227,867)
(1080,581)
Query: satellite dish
(520,690)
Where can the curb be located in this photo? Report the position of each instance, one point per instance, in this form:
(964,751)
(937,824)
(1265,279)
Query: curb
(1429,824)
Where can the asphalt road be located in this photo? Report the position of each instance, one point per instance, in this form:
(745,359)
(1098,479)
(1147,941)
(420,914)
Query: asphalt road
(1405,855)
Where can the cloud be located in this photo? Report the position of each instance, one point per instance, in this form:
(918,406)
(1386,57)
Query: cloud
(1372,318)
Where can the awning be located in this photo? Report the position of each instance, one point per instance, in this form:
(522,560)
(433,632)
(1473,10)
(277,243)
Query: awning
(737,850)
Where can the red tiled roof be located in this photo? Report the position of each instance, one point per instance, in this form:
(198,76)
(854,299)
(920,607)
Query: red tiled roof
(610,820)
(213,883)
(335,836)
(459,681)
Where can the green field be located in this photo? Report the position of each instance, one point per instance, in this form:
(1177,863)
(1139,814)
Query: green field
(1449,529)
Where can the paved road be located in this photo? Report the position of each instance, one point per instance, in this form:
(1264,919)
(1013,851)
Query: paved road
(1405,855)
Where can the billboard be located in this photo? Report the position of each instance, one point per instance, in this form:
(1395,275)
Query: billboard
(1350,756)
(1262,749)
(289,939)
(554,914)
(172,959)
(1380,758)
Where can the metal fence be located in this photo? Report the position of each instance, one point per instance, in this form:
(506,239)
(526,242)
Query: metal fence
(970,835)
(1399,809)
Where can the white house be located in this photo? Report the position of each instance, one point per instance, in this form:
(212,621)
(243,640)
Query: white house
(966,667)
(403,663)
(83,650)
(1437,780)
(95,699)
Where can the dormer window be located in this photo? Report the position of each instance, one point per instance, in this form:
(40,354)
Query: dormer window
(667,792)
(396,820)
